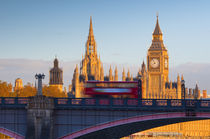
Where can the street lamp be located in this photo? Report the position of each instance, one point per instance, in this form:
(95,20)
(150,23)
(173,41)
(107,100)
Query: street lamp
(39,77)
(139,87)
(183,89)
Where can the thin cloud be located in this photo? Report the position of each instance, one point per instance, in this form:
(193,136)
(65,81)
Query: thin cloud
(10,69)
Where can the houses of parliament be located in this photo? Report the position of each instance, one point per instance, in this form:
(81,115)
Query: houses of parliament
(155,79)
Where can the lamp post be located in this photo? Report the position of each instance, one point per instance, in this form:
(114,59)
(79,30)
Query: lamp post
(183,89)
(139,87)
(39,77)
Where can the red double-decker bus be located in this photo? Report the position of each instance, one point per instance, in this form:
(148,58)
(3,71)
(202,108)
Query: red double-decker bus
(118,89)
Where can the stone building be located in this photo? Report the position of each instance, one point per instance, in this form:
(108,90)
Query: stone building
(155,81)
(18,84)
(91,67)
(56,76)
(156,84)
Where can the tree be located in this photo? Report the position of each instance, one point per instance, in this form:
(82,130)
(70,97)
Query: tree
(53,91)
(27,91)
(5,89)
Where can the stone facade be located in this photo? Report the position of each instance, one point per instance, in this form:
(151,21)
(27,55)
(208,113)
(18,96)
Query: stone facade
(156,84)
(56,76)
(155,81)
(91,68)
(18,84)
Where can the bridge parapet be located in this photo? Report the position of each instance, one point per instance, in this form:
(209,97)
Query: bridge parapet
(13,102)
(62,103)
(68,115)
(40,117)
(145,104)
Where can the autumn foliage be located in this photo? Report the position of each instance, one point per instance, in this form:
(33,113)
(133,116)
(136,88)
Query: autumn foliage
(28,90)
(5,89)
(52,91)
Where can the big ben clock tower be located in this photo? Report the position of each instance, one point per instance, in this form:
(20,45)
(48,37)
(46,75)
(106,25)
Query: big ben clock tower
(157,63)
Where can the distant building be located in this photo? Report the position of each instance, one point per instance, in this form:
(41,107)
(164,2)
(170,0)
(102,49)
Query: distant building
(18,84)
(56,76)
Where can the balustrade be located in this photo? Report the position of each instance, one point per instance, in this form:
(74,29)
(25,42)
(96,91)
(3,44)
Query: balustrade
(115,102)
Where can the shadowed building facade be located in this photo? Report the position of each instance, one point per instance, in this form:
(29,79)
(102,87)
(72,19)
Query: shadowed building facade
(56,76)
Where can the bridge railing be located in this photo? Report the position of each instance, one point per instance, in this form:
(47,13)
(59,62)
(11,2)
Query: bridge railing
(132,103)
(13,102)
(129,103)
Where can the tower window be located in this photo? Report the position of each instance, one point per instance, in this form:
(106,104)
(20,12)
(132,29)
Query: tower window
(90,48)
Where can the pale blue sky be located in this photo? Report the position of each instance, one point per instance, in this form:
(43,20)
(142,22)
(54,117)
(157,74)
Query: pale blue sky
(123,29)
(37,30)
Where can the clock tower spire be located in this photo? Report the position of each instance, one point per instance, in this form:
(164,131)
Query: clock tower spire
(157,62)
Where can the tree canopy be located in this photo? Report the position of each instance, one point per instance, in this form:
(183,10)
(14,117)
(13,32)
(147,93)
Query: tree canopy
(29,90)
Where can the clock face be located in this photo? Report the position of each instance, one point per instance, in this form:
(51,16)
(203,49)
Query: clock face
(154,63)
(166,63)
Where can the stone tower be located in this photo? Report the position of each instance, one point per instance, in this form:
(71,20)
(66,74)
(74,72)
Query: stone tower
(116,74)
(110,74)
(56,76)
(91,67)
(128,76)
(123,75)
(157,62)
(76,83)
(143,73)
(196,92)
(156,84)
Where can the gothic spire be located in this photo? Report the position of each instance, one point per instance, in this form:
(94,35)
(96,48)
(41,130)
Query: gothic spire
(157,38)
(139,73)
(110,74)
(196,86)
(102,73)
(123,75)
(178,77)
(131,77)
(77,67)
(128,74)
(171,85)
(143,68)
(91,36)
(91,44)
(157,30)
(182,78)
(116,74)
(56,62)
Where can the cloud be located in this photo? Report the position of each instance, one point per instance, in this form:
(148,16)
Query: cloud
(193,73)
(10,69)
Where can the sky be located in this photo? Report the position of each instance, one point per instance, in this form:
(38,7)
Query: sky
(33,32)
